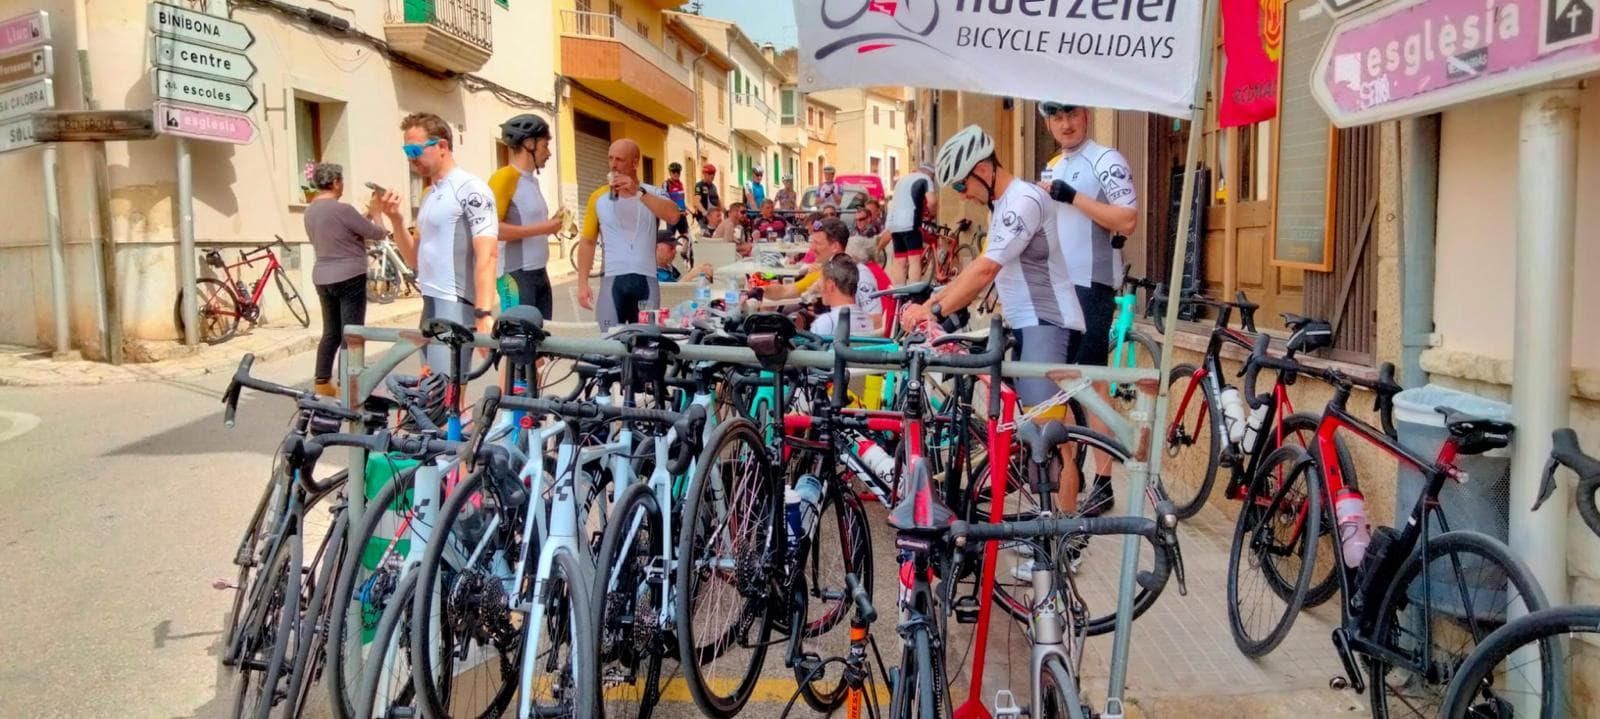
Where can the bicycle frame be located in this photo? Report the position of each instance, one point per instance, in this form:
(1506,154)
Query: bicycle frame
(562,537)
(249,259)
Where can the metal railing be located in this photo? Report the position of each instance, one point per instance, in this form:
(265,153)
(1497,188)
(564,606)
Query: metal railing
(467,20)
(751,100)
(610,27)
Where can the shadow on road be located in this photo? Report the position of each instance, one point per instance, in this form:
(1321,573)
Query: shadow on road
(262,421)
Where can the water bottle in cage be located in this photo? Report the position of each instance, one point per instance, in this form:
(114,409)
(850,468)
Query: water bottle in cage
(801,503)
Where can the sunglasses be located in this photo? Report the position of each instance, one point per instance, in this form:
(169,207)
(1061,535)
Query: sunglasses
(414,150)
(960,186)
(1048,109)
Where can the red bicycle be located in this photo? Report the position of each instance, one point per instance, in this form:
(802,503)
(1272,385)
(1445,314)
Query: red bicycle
(222,302)
(943,252)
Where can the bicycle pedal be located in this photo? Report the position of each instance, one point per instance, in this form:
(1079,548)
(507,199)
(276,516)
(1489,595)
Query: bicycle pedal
(966,610)
(221,584)
(1005,704)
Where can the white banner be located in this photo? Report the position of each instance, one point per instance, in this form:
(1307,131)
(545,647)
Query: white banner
(1124,54)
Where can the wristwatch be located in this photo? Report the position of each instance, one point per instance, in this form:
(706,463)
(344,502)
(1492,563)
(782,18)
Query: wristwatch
(935,310)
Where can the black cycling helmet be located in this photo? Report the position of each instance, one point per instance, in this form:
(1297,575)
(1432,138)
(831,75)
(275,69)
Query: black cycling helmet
(675,167)
(523,127)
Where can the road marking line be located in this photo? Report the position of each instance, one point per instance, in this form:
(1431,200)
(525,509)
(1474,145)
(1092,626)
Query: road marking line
(21,424)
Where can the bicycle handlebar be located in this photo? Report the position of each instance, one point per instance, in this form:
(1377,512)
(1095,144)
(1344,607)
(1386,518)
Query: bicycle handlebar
(1154,580)
(1384,388)
(306,399)
(1565,451)
(995,353)
(863,601)
(1242,303)
(686,424)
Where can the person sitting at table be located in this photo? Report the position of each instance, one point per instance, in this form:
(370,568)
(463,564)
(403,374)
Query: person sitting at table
(731,227)
(828,239)
(667,259)
(867,224)
(840,277)
(865,251)
(769,225)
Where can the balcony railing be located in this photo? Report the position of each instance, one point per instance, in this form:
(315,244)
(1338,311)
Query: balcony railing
(610,27)
(467,20)
(749,99)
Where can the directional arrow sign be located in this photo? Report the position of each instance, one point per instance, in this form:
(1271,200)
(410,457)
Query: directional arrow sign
(93,125)
(179,87)
(219,125)
(24,31)
(211,30)
(17,134)
(189,57)
(29,98)
(27,65)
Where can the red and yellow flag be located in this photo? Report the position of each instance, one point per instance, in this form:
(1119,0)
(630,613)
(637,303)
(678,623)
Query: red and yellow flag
(1252,40)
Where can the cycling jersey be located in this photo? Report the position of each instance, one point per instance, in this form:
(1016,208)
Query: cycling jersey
(1033,283)
(517,195)
(674,190)
(827,324)
(785,199)
(909,204)
(866,284)
(769,226)
(758,195)
(627,230)
(829,193)
(457,208)
(1102,173)
(708,195)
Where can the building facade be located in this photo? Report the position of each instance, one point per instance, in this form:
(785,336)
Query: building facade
(332,90)
(756,85)
(873,130)
(705,137)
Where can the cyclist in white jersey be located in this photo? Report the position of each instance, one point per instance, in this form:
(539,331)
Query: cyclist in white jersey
(525,222)
(454,249)
(915,201)
(1097,206)
(1025,263)
(623,215)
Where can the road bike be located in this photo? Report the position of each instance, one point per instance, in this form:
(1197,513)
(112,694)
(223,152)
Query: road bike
(221,303)
(1534,665)
(388,276)
(1129,346)
(1416,599)
(943,252)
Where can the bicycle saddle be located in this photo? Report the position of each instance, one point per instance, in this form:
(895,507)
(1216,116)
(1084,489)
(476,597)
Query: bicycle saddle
(1475,435)
(1041,441)
(920,510)
(450,333)
(908,290)
(522,321)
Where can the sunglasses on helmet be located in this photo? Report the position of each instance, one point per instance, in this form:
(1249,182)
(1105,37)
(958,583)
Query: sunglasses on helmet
(1048,109)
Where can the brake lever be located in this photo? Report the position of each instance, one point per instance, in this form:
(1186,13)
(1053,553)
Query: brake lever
(1547,485)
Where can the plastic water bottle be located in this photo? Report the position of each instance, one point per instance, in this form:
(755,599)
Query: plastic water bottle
(1253,424)
(702,290)
(878,461)
(1351,510)
(1234,412)
(800,506)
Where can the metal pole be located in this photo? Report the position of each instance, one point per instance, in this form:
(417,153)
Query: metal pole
(1419,165)
(58,260)
(186,260)
(1541,373)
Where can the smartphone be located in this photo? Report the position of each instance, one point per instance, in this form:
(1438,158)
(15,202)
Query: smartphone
(375,187)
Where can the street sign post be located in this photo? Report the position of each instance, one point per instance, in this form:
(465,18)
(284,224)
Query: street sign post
(1418,56)
(24,99)
(24,31)
(93,125)
(210,30)
(178,87)
(218,125)
(27,65)
(189,57)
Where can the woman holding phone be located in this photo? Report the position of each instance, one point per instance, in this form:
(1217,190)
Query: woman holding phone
(339,234)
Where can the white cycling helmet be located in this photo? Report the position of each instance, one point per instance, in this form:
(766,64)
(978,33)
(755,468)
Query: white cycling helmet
(962,152)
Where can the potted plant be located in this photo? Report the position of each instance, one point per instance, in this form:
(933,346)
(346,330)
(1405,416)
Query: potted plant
(309,189)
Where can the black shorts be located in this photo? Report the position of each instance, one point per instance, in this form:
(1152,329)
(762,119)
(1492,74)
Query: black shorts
(533,288)
(906,243)
(1099,304)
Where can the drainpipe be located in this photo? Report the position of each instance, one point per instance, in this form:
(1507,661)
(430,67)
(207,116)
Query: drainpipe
(1419,167)
(108,313)
(1541,364)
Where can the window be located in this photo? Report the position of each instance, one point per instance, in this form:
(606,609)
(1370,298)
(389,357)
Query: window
(616,8)
(891,119)
(875,165)
(308,131)
(874,114)
(811,172)
(788,107)
(722,101)
(503,3)
(644,31)
(583,6)
(894,160)
(319,137)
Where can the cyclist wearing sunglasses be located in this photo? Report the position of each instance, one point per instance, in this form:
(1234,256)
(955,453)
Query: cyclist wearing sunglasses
(455,248)
(1096,207)
(623,215)
(1024,261)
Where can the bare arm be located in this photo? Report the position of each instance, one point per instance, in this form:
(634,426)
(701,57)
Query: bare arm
(663,208)
(514,233)
(485,249)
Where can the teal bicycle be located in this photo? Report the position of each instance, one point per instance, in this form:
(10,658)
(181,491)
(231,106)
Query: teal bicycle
(1131,348)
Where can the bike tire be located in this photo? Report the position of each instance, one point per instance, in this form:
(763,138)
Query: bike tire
(311,656)
(1201,424)
(843,521)
(291,298)
(965,255)
(218,309)
(366,590)
(384,687)
(257,531)
(568,589)
(450,597)
(1254,545)
(1421,694)
(755,497)
(279,620)
(383,280)
(1058,690)
(624,591)
(1479,688)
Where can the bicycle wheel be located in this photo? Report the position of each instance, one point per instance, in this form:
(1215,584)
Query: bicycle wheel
(383,280)
(462,607)
(1434,617)
(1058,690)
(1300,430)
(1135,350)
(561,677)
(920,685)
(1270,561)
(841,544)
(728,551)
(271,638)
(1194,441)
(262,526)
(385,689)
(1522,669)
(965,255)
(629,598)
(317,598)
(292,298)
(369,580)
(218,309)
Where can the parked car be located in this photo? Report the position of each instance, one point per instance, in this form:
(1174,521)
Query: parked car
(852,200)
(868,183)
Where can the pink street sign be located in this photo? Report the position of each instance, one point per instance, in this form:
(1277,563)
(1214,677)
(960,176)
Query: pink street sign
(219,125)
(1411,58)
(24,31)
